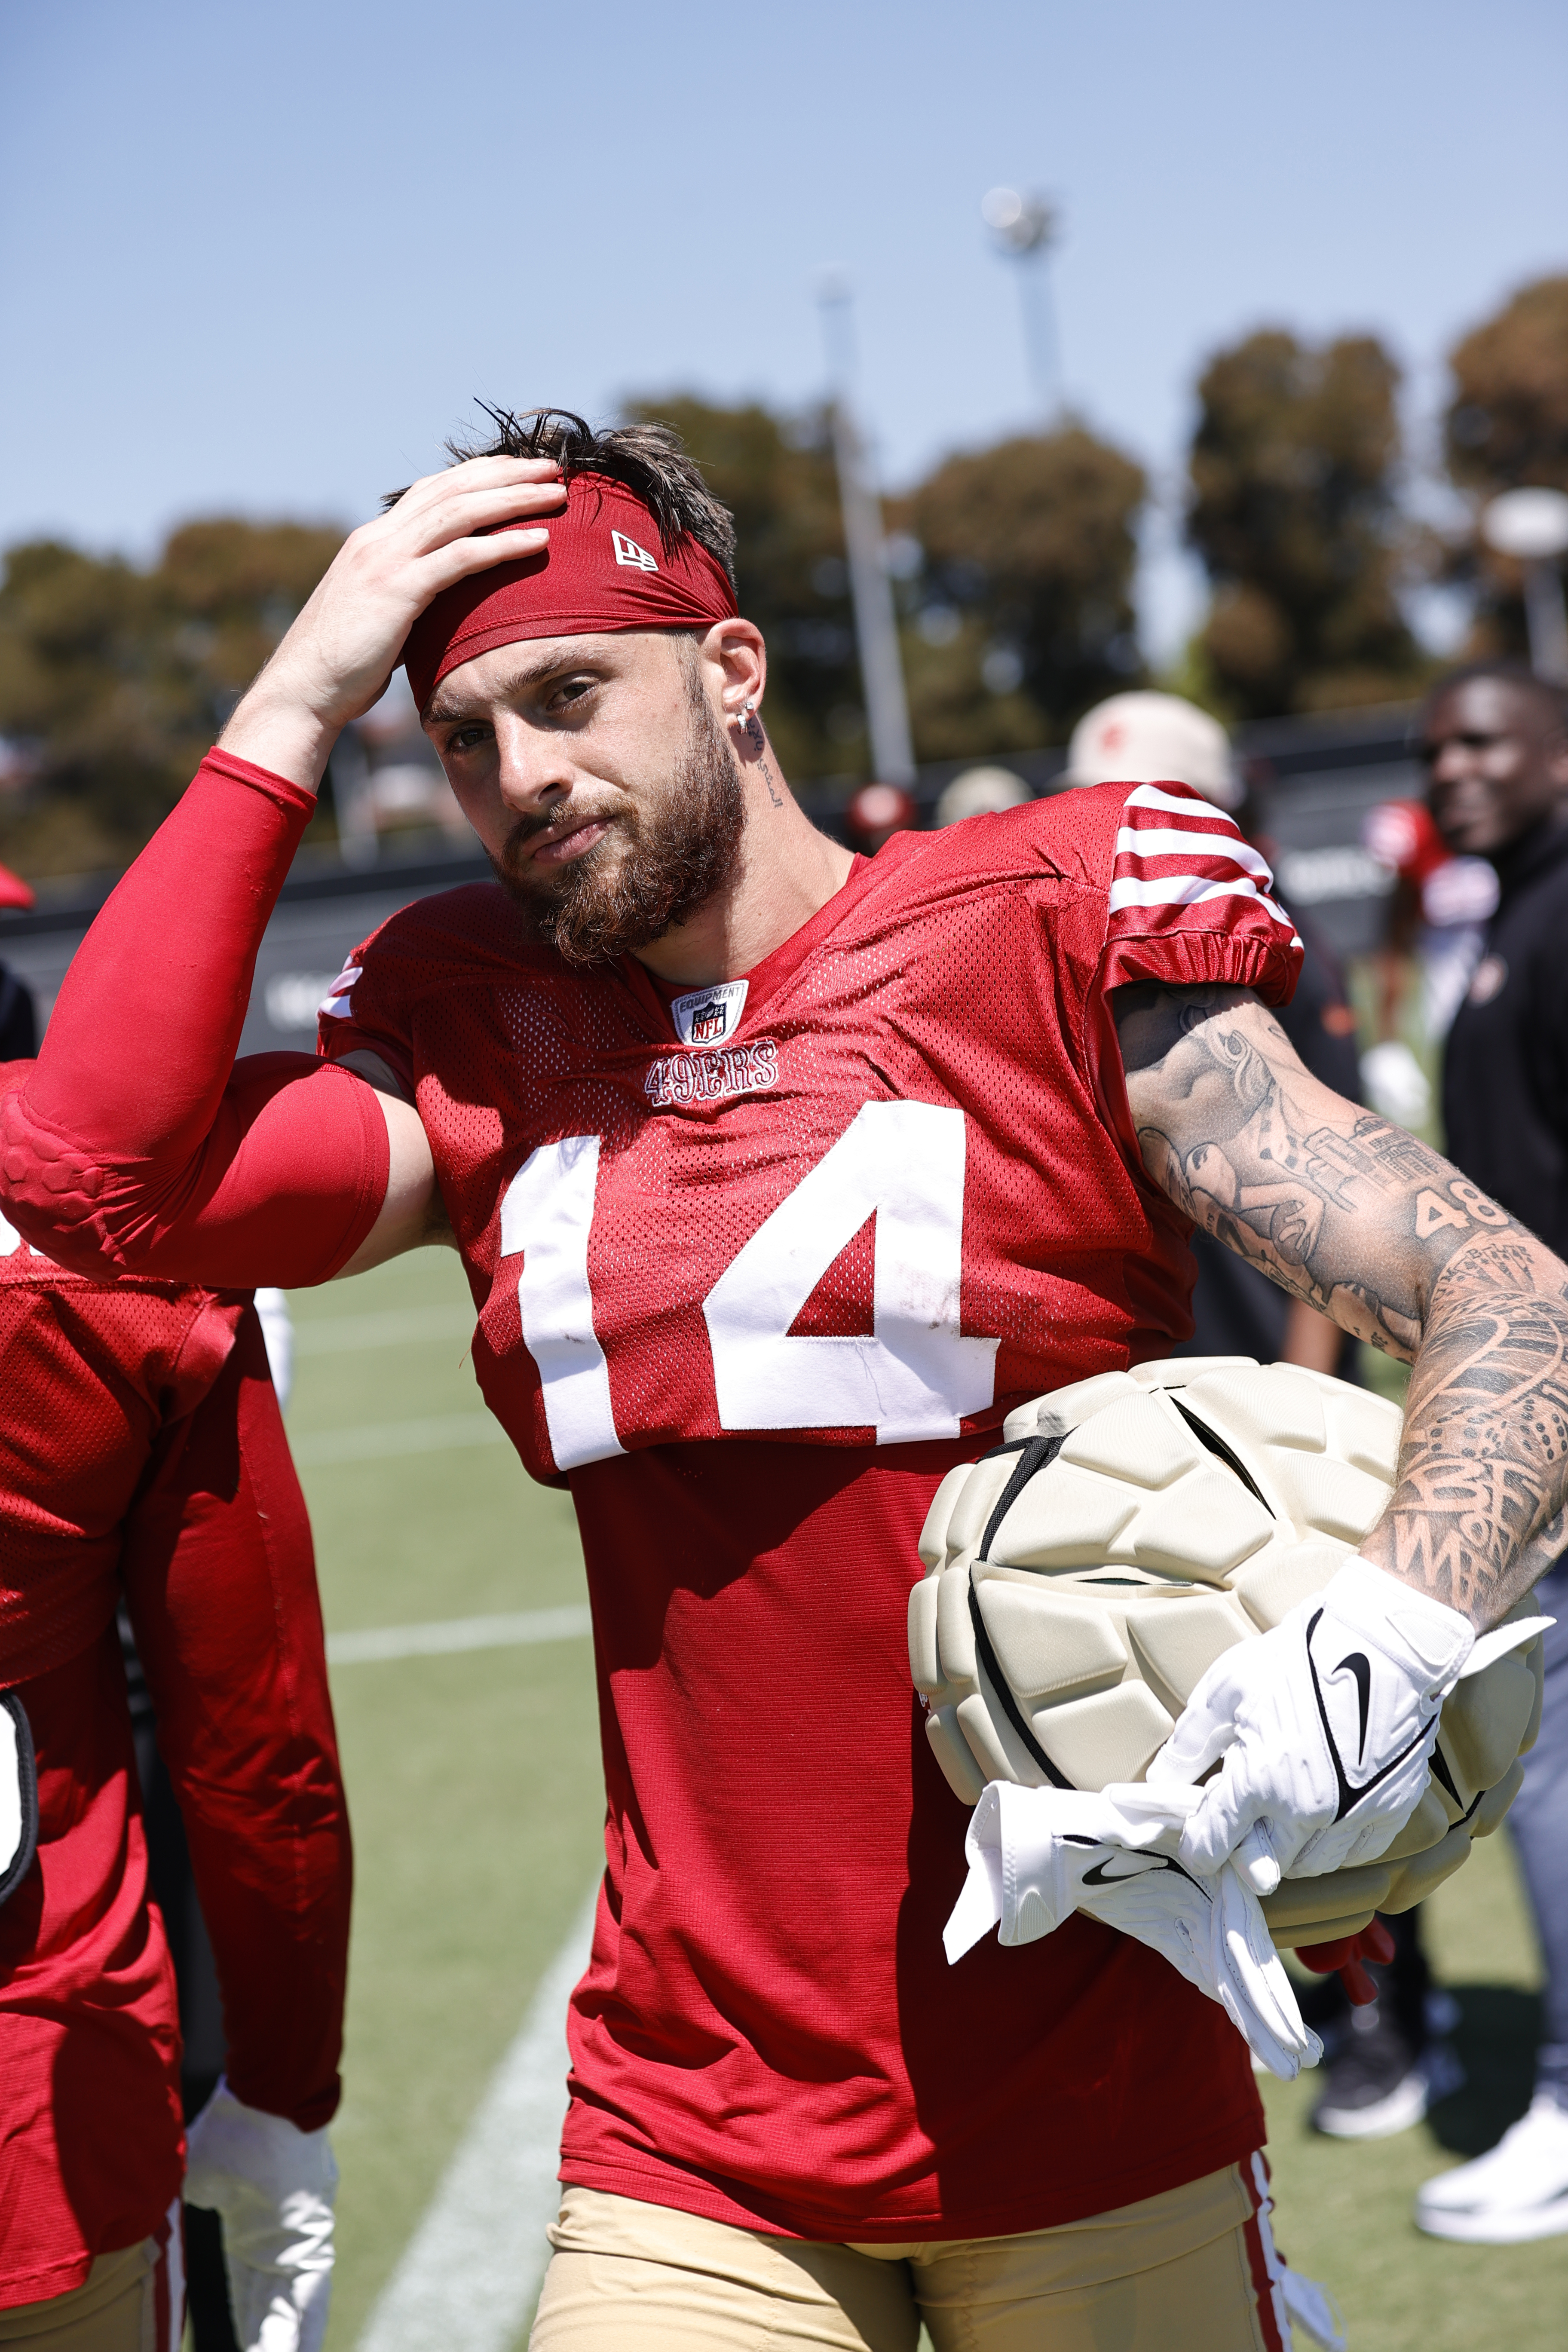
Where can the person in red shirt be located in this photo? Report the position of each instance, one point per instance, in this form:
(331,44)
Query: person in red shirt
(142,1458)
(779,1176)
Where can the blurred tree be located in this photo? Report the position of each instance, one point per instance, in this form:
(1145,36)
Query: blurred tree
(113,682)
(776,477)
(1506,428)
(1294,511)
(1024,616)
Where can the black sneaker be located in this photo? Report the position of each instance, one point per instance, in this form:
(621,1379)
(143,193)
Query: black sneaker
(1377,2084)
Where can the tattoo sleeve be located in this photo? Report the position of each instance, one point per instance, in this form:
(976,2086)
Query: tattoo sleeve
(1379,1232)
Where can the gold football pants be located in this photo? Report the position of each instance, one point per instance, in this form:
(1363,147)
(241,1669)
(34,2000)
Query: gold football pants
(1192,2270)
(132,2301)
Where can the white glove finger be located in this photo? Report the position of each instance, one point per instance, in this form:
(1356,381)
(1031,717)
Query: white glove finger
(1257,1860)
(1260,1990)
(1231,1803)
(1498,1643)
(978,1908)
(1265,2032)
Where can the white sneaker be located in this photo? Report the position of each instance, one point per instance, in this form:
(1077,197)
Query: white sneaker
(1518,2190)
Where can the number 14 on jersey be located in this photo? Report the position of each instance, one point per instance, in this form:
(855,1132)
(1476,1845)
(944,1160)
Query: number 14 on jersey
(916,1375)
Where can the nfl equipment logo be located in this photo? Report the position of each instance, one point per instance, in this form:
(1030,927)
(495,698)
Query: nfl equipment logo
(706,1016)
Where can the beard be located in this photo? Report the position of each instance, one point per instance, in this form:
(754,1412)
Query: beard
(661,862)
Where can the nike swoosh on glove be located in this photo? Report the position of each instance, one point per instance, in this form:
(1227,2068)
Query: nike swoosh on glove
(272,2185)
(1326,1726)
(1035,1855)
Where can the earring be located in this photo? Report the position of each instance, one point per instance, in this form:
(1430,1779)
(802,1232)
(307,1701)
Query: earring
(746,709)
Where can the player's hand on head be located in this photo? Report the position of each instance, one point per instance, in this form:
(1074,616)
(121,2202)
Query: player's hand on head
(336,660)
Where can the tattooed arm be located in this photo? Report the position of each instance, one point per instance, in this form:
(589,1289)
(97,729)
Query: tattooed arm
(1367,1223)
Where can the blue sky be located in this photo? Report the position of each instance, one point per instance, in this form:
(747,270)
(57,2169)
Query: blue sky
(260,258)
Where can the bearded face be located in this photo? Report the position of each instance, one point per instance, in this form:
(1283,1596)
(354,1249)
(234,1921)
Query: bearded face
(668,849)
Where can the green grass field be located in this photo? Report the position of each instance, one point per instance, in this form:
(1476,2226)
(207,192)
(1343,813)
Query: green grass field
(474,1785)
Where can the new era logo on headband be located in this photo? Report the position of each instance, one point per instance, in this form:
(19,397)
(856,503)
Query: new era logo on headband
(628,551)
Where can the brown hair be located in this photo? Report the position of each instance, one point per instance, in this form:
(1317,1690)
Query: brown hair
(648,458)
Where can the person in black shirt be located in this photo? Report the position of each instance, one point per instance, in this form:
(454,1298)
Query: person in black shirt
(19,1017)
(1496,747)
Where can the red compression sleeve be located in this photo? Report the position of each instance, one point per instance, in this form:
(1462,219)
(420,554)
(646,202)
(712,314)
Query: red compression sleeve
(137,1143)
(221,1586)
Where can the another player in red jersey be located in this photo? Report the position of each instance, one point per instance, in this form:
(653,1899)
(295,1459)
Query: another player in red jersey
(142,1456)
(778,1176)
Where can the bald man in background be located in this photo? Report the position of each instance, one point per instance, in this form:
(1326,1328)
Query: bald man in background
(1148,738)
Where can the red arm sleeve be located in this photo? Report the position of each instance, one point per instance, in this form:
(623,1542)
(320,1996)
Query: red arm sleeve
(137,1144)
(221,1586)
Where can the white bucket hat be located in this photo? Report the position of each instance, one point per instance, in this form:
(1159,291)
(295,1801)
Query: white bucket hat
(1154,739)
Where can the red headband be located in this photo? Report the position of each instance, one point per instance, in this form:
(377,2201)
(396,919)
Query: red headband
(603,571)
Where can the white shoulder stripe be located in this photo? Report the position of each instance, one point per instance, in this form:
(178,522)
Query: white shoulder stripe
(1191,890)
(338,1003)
(1177,805)
(1162,841)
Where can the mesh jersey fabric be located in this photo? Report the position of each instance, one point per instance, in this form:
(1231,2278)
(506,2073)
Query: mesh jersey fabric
(142,1451)
(752,1299)
(955,989)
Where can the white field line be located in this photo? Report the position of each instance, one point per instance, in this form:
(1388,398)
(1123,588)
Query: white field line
(383,1441)
(333,1335)
(472,2271)
(443,1636)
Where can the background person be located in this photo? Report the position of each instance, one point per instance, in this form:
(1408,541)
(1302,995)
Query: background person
(143,1459)
(979,791)
(1148,738)
(1433,922)
(1495,749)
(173,1884)
(18,1016)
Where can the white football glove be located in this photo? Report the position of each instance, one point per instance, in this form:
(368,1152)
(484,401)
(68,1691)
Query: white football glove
(273,2186)
(1326,1727)
(1035,1855)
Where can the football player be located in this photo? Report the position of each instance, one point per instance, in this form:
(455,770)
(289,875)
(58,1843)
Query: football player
(142,1457)
(779,1175)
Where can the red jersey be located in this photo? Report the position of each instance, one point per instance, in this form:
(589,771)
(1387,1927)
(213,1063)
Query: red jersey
(141,1455)
(752,1270)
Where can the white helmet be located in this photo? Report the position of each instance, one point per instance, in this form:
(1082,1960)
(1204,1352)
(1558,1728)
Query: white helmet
(980,791)
(1154,739)
(1130,1529)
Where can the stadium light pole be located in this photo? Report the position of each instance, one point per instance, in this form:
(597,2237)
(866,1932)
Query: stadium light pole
(1531,525)
(1024,229)
(870,581)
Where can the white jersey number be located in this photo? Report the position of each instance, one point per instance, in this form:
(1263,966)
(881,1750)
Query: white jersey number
(915,1377)
(548,1209)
